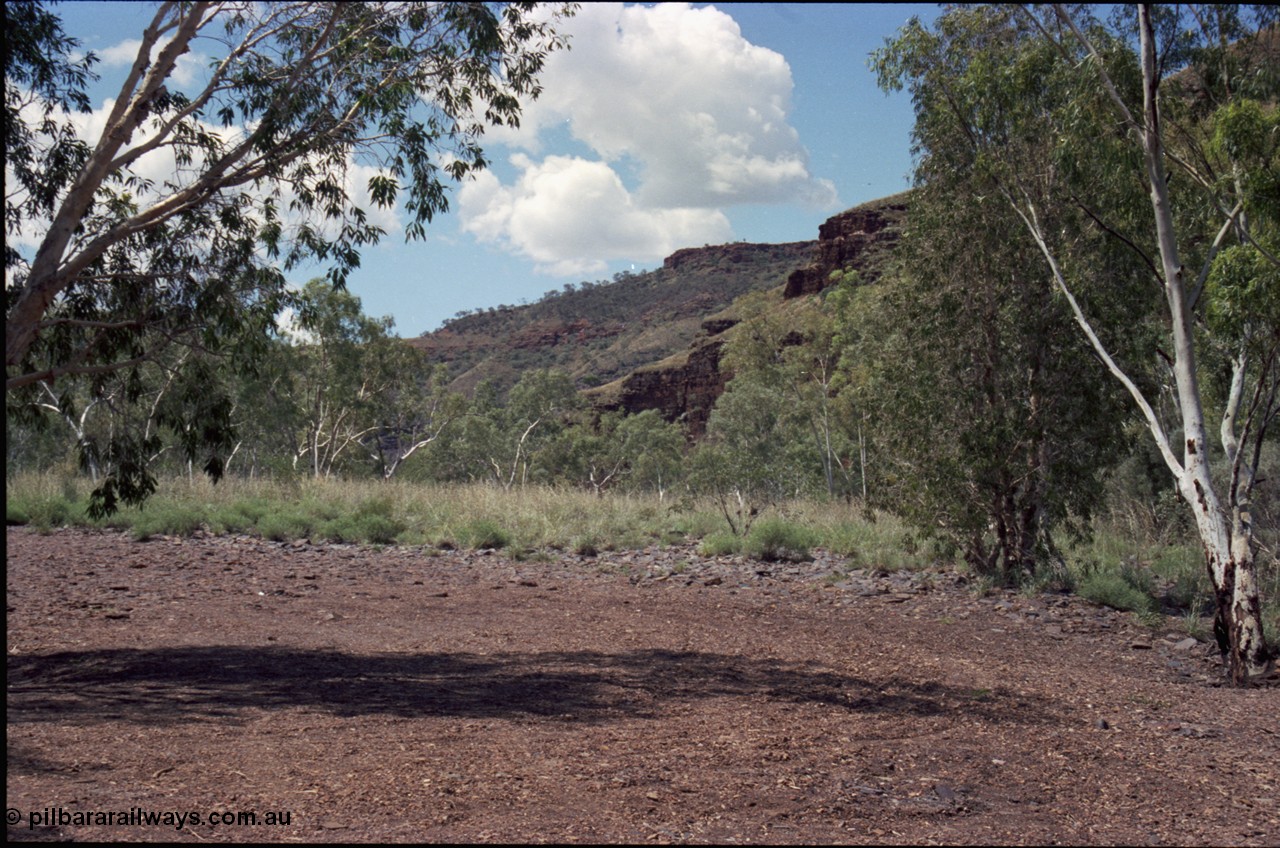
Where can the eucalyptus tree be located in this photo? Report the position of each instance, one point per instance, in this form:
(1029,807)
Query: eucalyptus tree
(419,406)
(352,387)
(508,442)
(793,347)
(175,224)
(970,375)
(1168,151)
(639,452)
(756,452)
(538,409)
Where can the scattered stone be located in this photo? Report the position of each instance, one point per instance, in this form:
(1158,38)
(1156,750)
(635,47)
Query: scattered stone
(1188,644)
(1102,724)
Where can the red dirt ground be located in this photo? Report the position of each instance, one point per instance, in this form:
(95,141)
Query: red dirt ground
(649,696)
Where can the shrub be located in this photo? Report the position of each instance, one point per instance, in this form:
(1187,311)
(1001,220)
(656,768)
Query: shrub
(379,529)
(345,529)
(1050,577)
(483,534)
(361,527)
(167,519)
(46,513)
(586,546)
(1187,584)
(720,544)
(1112,589)
(772,539)
(284,526)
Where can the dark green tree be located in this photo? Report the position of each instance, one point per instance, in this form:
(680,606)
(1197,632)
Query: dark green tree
(991,427)
(1094,146)
(639,452)
(757,452)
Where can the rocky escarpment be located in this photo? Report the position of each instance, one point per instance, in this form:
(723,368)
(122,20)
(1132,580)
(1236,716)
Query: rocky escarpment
(685,387)
(725,256)
(682,388)
(857,239)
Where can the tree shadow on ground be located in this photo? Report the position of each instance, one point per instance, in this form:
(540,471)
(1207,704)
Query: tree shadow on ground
(217,683)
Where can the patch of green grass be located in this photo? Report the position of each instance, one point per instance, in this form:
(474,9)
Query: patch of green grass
(166,518)
(1185,581)
(361,528)
(15,514)
(586,545)
(1194,624)
(51,511)
(720,543)
(1113,589)
(775,539)
(984,586)
(484,534)
(284,526)
(1050,577)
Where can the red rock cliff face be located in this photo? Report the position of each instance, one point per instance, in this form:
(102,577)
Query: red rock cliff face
(682,388)
(685,388)
(852,239)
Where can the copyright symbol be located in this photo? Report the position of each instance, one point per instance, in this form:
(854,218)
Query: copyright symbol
(12,816)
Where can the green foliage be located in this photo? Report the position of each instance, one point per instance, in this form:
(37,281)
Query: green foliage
(371,522)
(132,271)
(639,452)
(167,519)
(720,544)
(43,513)
(1116,590)
(987,421)
(484,534)
(775,539)
(792,351)
(1051,576)
(754,454)
(1159,163)
(285,525)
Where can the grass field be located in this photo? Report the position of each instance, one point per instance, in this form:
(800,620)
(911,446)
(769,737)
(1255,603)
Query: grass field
(1152,577)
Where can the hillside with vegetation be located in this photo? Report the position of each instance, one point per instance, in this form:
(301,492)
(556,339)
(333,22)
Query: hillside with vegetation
(598,331)
(856,244)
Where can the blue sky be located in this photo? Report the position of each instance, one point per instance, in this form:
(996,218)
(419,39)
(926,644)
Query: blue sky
(666,126)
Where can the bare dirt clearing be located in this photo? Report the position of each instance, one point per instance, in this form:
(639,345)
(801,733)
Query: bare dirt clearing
(639,696)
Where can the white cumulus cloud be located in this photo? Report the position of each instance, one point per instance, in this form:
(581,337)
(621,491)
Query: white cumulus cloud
(670,94)
(569,214)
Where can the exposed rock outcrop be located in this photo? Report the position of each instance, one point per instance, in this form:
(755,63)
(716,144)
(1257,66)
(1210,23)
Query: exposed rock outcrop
(849,240)
(598,332)
(682,387)
(737,253)
(685,387)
